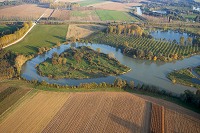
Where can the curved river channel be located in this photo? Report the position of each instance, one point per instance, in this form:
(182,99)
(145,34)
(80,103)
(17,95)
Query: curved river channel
(142,71)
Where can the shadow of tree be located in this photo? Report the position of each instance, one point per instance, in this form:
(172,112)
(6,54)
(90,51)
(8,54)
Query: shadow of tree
(127,124)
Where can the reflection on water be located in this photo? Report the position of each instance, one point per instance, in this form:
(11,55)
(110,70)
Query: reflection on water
(169,35)
(142,71)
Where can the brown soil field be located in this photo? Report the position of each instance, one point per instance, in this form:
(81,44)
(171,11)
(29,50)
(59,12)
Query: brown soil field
(109,5)
(61,14)
(99,112)
(47,13)
(180,123)
(156,119)
(34,113)
(22,12)
(83,30)
(87,15)
(69,0)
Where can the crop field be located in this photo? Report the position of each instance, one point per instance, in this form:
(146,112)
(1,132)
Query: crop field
(87,15)
(106,15)
(40,36)
(10,96)
(157,47)
(180,123)
(61,15)
(89,2)
(22,12)
(83,30)
(156,119)
(34,113)
(99,112)
(94,112)
(115,5)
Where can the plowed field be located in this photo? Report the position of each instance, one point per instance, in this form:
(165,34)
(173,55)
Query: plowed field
(34,114)
(99,112)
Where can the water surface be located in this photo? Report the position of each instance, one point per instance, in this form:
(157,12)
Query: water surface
(142,71)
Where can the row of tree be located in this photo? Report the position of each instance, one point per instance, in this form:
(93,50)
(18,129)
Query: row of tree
(63,5)
(5,40)
(127,29)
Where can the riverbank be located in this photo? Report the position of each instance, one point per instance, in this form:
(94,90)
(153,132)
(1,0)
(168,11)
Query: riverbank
(185,77)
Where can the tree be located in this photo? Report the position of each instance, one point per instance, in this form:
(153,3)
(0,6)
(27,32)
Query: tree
(19,61)
(131,84)
(182,40)
(154,58)
(189,41)
(111,55)
(55,55)
(98,50)
(58,44)
(64,61)
(118,82)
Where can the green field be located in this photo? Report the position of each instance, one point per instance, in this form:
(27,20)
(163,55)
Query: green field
(90,2)
(81,63)
(83,13)
(105,15)
(190,16)
(40,36)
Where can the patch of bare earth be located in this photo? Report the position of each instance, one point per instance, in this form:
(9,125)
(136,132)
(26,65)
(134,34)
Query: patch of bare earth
(180,123)
(61,15)
(22,12)
(99,112)
(83,30)
(34,113)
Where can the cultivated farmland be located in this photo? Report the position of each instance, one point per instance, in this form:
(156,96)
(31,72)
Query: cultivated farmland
(34,113)
(83,30)
(99,112)
(87,15)
(22,12)
(40,36)
(106,15)
(115,6)
(180,123)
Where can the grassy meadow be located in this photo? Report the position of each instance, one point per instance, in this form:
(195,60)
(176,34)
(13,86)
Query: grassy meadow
(40,36)
(105,15)
(90,2)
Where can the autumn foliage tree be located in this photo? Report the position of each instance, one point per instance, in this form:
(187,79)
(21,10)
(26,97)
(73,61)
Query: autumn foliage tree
(129,29)
(5,40)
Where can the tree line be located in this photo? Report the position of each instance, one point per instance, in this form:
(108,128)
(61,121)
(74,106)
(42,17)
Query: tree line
(5,40)
(127,29)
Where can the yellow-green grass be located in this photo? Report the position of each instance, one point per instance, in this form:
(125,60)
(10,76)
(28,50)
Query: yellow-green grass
(40,36)
(106,15)
(90,2)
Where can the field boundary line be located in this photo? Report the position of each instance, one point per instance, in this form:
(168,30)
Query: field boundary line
(6,113)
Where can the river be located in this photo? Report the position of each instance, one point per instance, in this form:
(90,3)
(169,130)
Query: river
(142,71)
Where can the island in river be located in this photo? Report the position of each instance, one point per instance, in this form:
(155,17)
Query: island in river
(81,63)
